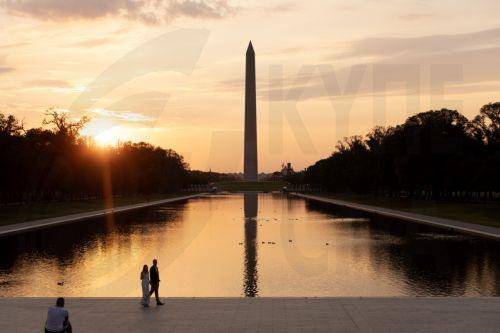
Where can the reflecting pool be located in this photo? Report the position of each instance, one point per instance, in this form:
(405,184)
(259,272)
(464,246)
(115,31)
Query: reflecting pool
(249,245)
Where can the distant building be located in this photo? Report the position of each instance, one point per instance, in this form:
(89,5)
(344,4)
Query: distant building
(286,169)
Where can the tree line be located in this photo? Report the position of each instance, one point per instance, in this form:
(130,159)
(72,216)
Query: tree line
(438,154)
(56,163)
(198,177)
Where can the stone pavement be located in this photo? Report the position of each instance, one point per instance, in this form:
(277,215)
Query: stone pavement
(261,315)
(49,222)
(470,228)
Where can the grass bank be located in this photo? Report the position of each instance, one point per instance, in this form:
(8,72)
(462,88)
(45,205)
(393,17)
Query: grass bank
(36,211)
(478,213)
(264,186)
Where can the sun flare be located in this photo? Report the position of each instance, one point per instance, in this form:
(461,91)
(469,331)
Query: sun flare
(105,132)
(107,138)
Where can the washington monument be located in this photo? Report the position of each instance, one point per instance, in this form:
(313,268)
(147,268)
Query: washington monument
(250,159)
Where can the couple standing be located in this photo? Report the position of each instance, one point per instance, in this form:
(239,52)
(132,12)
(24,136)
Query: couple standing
(150,278)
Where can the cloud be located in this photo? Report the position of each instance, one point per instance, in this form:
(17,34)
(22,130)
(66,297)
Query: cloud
(467,62)
(384,47)
(141,107)
(92,42)
(476,53)
(414,17)
(162,54)
(235,84)
(4,69)
(48,83)
(285,51)
(266,9)
(147,11)
(10,46)
(200,9)
(284,7)
(415,65)
(123,115)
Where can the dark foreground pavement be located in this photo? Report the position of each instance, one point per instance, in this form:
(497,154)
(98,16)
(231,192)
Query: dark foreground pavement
(261,315)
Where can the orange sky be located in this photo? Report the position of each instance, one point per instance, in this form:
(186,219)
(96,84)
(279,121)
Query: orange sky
(172,72)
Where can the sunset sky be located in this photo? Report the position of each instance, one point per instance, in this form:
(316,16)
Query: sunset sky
(171,72)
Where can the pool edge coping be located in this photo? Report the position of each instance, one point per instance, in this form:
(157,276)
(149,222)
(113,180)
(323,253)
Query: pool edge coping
(17,228)
(455,225)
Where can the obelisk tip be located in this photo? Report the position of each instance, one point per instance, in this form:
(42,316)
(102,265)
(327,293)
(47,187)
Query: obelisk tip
(250,48)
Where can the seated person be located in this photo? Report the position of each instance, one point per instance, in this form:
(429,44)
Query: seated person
(58,318)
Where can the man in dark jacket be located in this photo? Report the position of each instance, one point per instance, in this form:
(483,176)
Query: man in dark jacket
(154,280)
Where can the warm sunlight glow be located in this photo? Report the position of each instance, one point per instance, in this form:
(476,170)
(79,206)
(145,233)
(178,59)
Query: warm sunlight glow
(143,69)
(107,138)
(105,132)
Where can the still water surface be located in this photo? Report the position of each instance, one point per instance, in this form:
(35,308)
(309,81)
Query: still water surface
(249,245)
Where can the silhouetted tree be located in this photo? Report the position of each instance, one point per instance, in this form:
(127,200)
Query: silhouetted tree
(58,164)
(434,154)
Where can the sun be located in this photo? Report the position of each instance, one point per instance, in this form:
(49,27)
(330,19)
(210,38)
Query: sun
(104,132)
(108,137)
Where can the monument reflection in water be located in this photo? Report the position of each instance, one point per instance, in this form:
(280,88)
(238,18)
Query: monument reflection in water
(251,207)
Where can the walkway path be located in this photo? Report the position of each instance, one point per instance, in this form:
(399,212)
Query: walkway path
(477,229)
(261,315)
(49,222)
